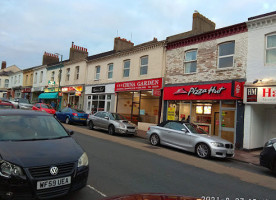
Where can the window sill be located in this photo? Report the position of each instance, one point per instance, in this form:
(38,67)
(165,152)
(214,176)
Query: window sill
(224,69)
(190,73)
(96,79)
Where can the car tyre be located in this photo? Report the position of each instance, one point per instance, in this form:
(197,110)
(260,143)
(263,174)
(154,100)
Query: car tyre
(203,150)
(55,116)
(154,139)
(67,120)
(111,130)
(91,125)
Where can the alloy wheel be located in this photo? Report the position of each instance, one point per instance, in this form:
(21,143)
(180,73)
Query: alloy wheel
(154,139)
(203,151)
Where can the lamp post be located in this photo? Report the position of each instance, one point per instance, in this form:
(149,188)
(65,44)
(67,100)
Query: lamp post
(59,78)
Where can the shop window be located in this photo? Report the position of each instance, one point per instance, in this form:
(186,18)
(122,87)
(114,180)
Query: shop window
(126,68)
(89,106)
(98,103)
(226,53)
(149,107)
(206,110)
(190,62)
(77,72)
(271,49)
(144,65)
(41,76)
(67,74)
(6,83)
(53,76)
(97,74)
(110,71)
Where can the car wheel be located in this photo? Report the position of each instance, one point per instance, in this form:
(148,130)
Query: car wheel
(111,130)
(203,151)
(55,116)
(67,120)
(91,125)
(154,139)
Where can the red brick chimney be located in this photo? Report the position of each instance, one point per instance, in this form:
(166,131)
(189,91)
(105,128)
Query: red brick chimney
(77,52)
(122,44)
(4,65)
(49,58)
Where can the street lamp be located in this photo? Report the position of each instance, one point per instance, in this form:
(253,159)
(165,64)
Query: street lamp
(59,77)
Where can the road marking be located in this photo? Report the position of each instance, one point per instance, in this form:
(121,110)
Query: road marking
(89,186)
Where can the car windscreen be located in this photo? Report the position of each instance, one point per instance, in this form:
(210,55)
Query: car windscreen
(6,107)
(195,129)
(24,101)
(46,106)
(77,111)
(27,127)
(115,116)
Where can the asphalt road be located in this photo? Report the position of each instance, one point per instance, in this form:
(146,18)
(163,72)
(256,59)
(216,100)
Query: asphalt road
(117,169)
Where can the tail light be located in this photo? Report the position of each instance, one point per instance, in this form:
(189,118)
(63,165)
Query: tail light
(74,114)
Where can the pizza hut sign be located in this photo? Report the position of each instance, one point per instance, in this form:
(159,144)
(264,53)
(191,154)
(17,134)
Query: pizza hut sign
(220,91)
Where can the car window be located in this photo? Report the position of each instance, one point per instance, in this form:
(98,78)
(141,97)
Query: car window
(24,101)
(77,111)
(115,116)
(22,127)
(104,114)
(195,128)
(46,106)
(98,114)
(175,126)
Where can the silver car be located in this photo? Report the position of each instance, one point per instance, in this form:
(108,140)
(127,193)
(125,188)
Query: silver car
(22,103)
(189,137)
(113,122)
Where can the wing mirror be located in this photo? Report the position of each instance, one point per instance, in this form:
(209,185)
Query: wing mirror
(107,118)
(70,132)
(184,130)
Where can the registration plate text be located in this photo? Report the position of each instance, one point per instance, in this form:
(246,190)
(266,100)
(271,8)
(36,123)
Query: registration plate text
(53,183)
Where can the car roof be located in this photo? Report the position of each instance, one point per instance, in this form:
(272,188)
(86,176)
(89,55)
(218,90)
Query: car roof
(22,112)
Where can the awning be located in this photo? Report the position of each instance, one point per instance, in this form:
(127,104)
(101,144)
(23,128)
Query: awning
(50,95)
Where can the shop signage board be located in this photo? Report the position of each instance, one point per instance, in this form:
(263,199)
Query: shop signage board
(26,90)
(51,90)
(147,84)
(219,91)
(156,92)
(98,89)
(259,95)
(72,89)
(51,83)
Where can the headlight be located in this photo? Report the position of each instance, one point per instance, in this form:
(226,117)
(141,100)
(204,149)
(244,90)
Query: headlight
(7,169)
(217,144)
(121,125)
(83,160)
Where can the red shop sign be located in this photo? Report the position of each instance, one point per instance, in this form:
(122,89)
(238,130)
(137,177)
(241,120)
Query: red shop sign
(221,91)
(26,90)
(147,84)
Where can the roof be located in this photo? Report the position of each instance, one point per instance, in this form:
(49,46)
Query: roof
(8,112)
(100,55)
(263,15)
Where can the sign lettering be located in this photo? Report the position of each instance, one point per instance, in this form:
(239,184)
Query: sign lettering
(148,84)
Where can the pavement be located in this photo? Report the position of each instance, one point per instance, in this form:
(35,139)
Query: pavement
(251,157)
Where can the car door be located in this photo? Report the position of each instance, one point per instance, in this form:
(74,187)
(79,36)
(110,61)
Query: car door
(62,114)
(96,119)
(105,120)
(178,135)
(36,106)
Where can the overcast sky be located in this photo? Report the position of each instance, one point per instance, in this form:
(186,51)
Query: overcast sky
(30,27)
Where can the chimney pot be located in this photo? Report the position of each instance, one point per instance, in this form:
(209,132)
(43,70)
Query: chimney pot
(4,65)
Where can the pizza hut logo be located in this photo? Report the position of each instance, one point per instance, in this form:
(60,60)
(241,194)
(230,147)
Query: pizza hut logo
(197,91)
(181,91)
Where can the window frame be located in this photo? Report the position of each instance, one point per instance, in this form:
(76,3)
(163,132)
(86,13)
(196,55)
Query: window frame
(68,74)
(35,78)
(267,49)
(41,77)
(124,69)
(53,76)
(110,71)
(190,61)
(5,82)
(142,66)
(26,80)
(229,55)
(77,72)
(97,74)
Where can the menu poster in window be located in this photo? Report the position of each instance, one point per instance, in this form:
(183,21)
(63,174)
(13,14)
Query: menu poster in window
(171,113)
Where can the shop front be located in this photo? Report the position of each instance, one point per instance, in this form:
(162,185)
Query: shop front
(51,97)
(216,108)
(99,98)
(140,101)
(72,96)
(260,115)
(36,91)
(26,93)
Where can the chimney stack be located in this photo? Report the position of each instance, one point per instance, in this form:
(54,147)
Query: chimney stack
(4,65)
(202,24)
(77,52)
(49,58)
(122,44)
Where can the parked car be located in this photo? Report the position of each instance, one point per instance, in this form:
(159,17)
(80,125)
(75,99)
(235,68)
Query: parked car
(268,155)
(22,103)
(6,105)
(189,137)
(39,158)
(113,122)
(70,115)
(44,107)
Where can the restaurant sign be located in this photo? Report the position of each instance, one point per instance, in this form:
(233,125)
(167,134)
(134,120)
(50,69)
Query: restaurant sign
(260,95)
(148,84)
(220,91)
(72,89)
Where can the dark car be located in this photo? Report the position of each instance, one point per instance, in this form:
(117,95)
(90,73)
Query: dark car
(70,115)
(268,155)
(38,157)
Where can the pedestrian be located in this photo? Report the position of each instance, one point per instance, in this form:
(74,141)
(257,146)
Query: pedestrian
(53,104)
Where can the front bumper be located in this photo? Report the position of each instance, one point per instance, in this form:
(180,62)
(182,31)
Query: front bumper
(222,152)
(125,131)
(25,188)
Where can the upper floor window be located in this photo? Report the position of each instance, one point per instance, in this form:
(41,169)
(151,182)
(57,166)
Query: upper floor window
(98,71)
(31,78)
(53,76)
(110,71)
(77,72)
(19,78)
(67,74)
(6,83)
(41,76)
(144,65)
(11,80)
(226,54)
(126,68)
(190,61)
(271,49)
(26,81)
(35,78)
(15,79)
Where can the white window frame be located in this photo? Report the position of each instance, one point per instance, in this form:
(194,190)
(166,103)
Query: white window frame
(142,66)
(267,49)
(110,71)
(53,76)
(126,69)
(229,55)
(97,74)
(67,74)
(35,78)
(77,72)
(41,76)
(7,83)
(190,61)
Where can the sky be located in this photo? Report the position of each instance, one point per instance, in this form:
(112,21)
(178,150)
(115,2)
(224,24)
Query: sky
(28,28)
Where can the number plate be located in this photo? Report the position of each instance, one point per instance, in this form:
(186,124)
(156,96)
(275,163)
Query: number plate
(230,151)
(53,183)
(82,119)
